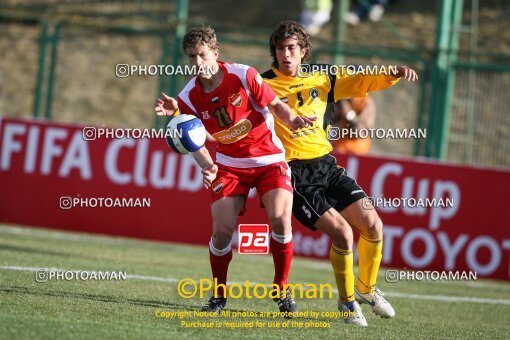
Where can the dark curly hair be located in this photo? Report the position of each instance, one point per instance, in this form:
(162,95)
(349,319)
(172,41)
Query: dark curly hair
(289,29)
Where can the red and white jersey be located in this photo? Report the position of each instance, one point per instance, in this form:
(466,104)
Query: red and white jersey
(236,115)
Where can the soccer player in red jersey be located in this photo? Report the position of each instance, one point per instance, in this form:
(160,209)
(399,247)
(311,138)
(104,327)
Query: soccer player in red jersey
(235,107)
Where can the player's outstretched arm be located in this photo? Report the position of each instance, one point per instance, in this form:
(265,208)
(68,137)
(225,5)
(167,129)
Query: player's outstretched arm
(284,112)
(360,85)
(166,106)
(209,169)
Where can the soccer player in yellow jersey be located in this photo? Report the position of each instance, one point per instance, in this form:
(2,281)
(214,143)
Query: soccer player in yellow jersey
(325,198)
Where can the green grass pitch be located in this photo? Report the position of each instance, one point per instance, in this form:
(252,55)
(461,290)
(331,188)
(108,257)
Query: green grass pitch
(127,308)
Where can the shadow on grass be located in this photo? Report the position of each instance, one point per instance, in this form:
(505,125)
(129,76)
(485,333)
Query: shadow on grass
(28,250)
(95,297)
(121,300)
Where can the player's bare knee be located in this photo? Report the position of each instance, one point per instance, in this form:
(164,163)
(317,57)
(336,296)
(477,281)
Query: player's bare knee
(222,235)
(374,230)
(342,237)
(281,225)
(341,234)
(221,240)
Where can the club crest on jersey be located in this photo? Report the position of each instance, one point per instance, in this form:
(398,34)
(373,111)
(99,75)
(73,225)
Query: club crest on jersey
(217,186)
(314,93)
(215,99)
(236,99)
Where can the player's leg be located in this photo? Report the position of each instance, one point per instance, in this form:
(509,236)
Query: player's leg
(370,244)
(278,204)
(340,254)
(315,210)
(274,187)
(350,205)
(342,261)
(224,213)
(369,225)
(228,194)
(348,196)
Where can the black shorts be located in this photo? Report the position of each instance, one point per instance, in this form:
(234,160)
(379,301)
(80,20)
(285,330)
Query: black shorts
(319,185)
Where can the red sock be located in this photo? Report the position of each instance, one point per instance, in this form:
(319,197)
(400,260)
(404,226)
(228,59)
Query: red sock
(282,257)
(219,268)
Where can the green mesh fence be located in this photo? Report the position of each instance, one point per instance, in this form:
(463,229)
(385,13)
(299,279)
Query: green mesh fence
(86,87)
(480,123)
(18,67)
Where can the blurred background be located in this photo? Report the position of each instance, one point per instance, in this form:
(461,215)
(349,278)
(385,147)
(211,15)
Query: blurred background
(57,61)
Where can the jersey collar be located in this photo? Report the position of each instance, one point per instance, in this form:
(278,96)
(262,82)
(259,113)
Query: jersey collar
(221,68)
(286,77)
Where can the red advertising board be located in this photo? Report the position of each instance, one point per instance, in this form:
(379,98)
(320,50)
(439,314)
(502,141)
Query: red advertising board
(45,166)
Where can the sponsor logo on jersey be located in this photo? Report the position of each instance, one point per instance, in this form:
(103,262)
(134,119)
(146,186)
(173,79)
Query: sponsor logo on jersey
(215,99)
(295,86)
(236,99)
(234,133)
(217,186)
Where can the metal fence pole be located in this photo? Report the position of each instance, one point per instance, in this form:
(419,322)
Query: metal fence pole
(51,75)
(43,40)
(340,28)
(453,48)
(439,77)
(180,31)
(470,109)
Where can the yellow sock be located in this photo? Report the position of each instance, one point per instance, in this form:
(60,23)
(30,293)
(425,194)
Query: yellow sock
(342,262)
(369,255)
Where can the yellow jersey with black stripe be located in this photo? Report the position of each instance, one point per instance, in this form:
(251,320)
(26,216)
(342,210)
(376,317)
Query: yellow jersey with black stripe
(314,96)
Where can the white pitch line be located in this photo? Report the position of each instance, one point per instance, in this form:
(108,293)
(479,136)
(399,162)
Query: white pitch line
(441,298)
(472,284)
(444,298)
(152,278)
(134,276)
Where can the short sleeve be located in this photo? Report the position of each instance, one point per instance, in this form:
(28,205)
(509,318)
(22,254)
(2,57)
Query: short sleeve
(261,92)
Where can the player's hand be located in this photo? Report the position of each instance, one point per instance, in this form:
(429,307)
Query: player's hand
(165,105)
(407,73)
(209,175)
(299,122)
